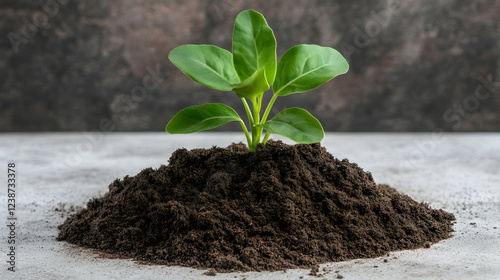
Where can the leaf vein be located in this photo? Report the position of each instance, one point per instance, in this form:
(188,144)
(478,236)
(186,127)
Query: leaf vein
(300,76)
(211,69)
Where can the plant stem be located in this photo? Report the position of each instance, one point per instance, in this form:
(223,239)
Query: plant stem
(251,121)
(259,128)
(256,110)
(269,106)
(256,119)
(247,108)
(247,135)
(266,137)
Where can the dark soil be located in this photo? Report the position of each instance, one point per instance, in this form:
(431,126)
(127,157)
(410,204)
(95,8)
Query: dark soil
(234,210)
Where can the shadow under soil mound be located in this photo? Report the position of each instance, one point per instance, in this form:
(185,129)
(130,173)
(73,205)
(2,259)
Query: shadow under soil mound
(234,210)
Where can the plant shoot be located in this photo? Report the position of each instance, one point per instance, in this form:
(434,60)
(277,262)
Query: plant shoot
(249,71)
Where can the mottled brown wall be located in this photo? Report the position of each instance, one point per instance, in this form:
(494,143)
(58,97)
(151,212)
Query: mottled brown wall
(415,65)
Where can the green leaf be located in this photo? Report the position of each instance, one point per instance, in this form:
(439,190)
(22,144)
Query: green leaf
(254,46)
(199,118)
(296,124)
(252,87)
(206,64)
(305,67)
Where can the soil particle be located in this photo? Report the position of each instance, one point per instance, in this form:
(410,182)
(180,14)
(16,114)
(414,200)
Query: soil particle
(211,272)
(66,211)
(314,270)
(234,210)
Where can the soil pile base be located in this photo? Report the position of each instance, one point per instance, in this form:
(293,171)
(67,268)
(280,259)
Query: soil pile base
(234,210)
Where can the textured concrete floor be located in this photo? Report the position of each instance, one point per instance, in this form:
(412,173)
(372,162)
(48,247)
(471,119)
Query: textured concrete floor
(55,171)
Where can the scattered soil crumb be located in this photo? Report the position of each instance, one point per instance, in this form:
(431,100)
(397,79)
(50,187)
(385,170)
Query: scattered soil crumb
(66,211)
(340,276)
(314,270)
(211,272)
(283,206)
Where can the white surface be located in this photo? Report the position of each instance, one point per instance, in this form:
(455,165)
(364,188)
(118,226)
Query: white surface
(459,173)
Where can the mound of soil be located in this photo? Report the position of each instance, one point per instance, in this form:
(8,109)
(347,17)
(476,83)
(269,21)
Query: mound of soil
(234,210)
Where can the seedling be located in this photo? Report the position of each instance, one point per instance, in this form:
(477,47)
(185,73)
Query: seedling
(249,71)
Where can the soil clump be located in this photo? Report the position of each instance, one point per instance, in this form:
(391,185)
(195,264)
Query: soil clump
(233,210)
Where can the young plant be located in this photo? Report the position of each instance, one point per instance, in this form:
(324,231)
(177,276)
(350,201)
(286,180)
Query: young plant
(249,71)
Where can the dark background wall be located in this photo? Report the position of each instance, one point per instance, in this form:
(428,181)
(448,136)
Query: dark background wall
(415,65)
